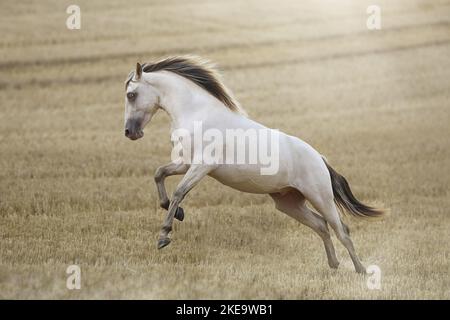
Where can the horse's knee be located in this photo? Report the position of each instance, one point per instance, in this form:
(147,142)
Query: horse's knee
(159,174)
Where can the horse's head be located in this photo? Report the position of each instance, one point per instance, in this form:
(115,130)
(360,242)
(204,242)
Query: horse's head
(141,103)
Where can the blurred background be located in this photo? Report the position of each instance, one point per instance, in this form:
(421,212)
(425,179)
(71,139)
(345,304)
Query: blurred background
(74,190)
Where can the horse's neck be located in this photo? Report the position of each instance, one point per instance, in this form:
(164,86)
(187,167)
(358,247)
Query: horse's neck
(184,101)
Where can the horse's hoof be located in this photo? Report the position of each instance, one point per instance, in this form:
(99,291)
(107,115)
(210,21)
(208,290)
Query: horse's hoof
(361,270)
(163,242)
(333,265)
(179,215)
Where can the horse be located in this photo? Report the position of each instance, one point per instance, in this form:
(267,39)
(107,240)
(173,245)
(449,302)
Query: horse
(190,90)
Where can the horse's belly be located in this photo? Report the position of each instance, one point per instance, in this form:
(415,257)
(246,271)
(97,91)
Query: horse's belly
(248,179)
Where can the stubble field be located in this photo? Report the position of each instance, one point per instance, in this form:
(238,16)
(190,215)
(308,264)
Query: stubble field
(74,190)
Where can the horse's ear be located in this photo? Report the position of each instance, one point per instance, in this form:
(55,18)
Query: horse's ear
(138,72)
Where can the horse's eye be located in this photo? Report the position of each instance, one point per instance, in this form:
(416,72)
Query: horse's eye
(131,96)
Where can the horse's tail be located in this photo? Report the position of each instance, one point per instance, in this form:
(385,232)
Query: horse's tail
(345,200)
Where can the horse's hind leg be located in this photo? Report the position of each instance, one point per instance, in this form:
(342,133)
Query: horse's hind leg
(324,203)
(293,204)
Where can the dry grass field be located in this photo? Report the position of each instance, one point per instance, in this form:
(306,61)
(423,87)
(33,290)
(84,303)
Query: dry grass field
(74,190)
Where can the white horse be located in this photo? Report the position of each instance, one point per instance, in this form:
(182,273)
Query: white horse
(190,91)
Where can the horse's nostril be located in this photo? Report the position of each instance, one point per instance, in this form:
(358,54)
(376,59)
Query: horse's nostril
(127,132)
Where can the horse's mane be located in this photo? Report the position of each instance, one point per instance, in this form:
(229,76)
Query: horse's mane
(199,71)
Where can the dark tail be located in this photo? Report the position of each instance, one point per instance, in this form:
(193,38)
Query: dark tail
(345,200)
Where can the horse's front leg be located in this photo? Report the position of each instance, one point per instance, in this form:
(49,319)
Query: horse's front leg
(170,169)
(193,176)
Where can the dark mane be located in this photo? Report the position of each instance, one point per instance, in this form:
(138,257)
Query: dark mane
(198,71)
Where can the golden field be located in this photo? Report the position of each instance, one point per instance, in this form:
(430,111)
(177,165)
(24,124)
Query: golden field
(74,190)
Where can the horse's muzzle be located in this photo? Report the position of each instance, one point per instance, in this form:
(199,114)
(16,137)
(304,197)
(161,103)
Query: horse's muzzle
(134,136)
(133,129)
